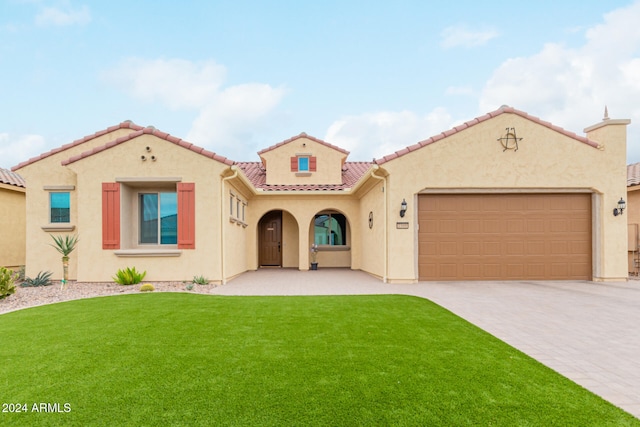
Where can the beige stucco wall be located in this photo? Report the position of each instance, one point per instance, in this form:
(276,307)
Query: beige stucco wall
(12,226)
(278,163)
(473,160)
(96,264)
(372,256)
(40,256)
(234,227)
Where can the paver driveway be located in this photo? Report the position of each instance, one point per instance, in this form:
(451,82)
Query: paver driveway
(587,331)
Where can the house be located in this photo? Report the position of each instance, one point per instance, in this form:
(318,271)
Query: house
(506,196)
(633,218)
(13,224)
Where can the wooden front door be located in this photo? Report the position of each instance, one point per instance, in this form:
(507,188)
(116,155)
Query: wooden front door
(270,245)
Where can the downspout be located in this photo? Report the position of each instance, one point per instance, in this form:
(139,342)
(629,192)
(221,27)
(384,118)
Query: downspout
(234,168)
(386,227)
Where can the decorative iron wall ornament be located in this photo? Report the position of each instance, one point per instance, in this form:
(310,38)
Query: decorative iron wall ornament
(509,141)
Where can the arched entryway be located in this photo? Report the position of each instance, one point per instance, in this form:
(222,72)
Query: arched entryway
(270,240)
(331,232)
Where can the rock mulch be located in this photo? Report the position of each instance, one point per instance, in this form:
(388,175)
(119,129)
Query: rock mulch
(35,296)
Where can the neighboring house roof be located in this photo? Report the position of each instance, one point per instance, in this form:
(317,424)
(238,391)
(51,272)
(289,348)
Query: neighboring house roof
(352,172)
(502,110)
(11,178)
(128,124)
(633,174)
(304,135)
(150,131)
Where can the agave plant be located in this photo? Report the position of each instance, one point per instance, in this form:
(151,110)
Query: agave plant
(65,245)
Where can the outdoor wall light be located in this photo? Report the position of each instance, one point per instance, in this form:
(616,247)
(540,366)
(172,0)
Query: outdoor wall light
(403,208)
(620,209)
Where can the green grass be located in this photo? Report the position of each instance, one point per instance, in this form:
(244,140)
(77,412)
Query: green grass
(184,359)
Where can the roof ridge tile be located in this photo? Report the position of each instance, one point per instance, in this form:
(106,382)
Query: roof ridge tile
(157,133)
(127,124)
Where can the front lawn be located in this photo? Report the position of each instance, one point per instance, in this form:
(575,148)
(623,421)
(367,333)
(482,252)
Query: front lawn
(184,359)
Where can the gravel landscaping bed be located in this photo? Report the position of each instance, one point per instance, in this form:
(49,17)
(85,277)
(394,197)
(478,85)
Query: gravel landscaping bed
(34,296)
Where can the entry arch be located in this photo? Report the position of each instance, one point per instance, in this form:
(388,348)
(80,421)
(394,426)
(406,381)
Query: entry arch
(279,246)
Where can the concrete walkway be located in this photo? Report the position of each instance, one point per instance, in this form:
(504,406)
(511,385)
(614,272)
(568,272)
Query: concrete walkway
(588,332)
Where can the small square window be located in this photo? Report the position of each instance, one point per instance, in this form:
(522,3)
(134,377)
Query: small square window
(60,204)
(303,164)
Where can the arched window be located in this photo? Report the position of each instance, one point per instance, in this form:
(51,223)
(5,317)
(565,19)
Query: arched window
(330,229)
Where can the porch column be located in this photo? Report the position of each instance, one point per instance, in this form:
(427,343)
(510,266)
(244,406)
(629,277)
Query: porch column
(303,249)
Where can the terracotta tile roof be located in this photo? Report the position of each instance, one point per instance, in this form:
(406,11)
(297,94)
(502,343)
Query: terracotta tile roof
(11,178)
(124,125)
(304,135)
(470,123)
(633,174)
(157,133)
(352,172)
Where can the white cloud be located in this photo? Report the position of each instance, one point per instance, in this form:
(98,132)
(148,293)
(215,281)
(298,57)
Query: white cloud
(52,16)
(14,150)
(462,36)
(176,83)
(571,86)
(373,135)
(232,119)
(228,117)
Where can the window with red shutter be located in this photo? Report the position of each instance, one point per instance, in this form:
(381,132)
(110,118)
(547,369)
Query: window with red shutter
(294,164)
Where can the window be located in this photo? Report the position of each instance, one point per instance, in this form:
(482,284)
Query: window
(60,203)
(303,164)
(330,229)
(158,218)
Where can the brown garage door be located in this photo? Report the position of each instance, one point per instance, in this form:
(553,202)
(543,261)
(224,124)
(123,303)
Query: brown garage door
(504,236)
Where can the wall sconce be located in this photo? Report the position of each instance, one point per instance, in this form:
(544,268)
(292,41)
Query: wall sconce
(403,208)
(620,209)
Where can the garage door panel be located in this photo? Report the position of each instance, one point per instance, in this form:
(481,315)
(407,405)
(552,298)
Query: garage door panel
(504,236)
(490,226)
(535,226)
(448,248)
(491,248)
(515,248)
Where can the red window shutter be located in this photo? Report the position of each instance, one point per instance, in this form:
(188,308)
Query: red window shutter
(110,215)
(186,215)
(294,164)
(312,164)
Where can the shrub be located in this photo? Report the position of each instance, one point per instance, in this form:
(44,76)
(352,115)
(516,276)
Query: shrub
(147,287)
(7,282)
(20,274)
(129,276)
(200,280)
(42,279)
(189,286)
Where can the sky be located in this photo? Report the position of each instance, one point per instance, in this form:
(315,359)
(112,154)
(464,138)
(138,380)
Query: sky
(371,77)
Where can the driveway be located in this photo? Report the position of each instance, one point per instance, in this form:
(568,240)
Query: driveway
(587,331)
